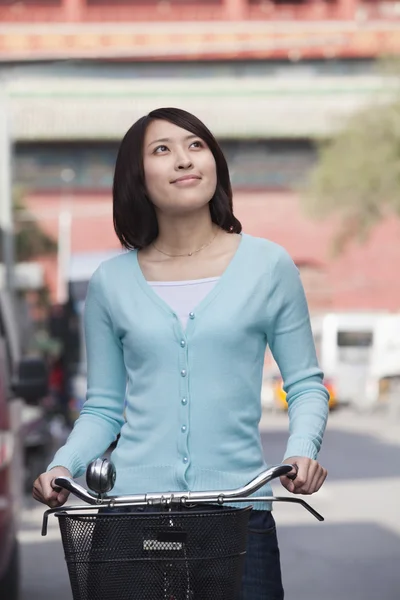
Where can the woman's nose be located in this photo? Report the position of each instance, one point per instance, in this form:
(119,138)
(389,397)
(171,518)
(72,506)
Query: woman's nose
(183,162)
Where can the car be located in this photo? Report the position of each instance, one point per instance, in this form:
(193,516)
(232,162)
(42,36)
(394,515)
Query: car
(38,441)
(9,559)
(279,394)
(23,381)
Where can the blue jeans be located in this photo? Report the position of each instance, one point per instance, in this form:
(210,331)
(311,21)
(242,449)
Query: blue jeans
(262,578)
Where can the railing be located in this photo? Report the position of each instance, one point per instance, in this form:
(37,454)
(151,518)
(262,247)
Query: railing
(260,9)
(134,11)
(157,10)
(363,10)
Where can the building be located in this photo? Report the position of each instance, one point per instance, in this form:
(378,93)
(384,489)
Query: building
(270,78)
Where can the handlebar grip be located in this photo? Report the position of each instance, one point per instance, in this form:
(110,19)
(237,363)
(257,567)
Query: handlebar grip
(55,487)
(70,485)
(294,475)
(280,470)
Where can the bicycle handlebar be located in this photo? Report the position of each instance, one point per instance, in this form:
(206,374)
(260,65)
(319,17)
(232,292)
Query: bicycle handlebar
(173,497)
(170,498)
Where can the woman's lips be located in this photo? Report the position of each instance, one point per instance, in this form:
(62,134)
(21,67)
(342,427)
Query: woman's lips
(187,180)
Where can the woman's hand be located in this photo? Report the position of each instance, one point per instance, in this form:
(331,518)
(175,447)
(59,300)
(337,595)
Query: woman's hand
(309,478)
(44,492)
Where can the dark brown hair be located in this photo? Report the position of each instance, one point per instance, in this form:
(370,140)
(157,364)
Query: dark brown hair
(135,220)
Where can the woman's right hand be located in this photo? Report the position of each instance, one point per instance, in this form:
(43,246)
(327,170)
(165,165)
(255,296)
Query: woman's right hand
(44,492)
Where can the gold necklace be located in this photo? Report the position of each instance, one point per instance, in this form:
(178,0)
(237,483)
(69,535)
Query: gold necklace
(187,253)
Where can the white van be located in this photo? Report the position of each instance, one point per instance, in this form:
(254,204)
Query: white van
(357,349)
(384,378)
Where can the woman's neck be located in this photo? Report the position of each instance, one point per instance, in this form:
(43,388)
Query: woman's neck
(184,236)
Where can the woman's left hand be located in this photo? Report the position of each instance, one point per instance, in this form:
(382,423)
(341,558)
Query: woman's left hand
(310,475)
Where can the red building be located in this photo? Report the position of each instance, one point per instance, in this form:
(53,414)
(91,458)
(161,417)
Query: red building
(271,46)
(228,29)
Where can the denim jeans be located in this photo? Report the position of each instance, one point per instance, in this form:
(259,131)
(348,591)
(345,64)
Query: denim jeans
(262,578)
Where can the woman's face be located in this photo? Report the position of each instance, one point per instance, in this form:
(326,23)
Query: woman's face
(179,169)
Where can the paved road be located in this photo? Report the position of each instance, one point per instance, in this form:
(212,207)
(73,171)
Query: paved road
(353,555)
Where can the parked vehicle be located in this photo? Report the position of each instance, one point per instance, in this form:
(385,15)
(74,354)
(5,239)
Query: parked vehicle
(23,382)
(82,267)
(360,354)
(383,385)
(37,441)
(279,395)
(357,355)
(344,343)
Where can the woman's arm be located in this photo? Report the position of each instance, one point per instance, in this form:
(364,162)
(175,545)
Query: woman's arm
(292,345)
(101,417)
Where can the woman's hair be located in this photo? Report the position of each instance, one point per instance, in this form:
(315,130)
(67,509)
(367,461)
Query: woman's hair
(135,219)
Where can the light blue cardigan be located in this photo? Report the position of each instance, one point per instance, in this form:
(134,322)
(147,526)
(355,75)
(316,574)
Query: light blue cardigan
(193,397)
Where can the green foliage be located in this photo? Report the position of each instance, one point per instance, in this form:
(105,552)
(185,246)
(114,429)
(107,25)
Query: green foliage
(357,176)
(30,240)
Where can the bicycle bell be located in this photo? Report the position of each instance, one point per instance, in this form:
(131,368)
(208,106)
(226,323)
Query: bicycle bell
(100,475)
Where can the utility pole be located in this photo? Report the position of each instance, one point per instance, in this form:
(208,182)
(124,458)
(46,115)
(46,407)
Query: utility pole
(64,236)
(6,215)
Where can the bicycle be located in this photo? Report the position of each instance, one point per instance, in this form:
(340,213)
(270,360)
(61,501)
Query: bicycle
(158,546)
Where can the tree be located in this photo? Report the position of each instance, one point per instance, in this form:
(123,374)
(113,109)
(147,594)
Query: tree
(357,176)
(30,240)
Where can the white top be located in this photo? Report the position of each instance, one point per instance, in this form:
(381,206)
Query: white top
(183,296)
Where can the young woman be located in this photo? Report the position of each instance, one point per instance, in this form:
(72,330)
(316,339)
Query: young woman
(178,326)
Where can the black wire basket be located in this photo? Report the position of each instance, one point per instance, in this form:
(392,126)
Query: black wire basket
(184,554)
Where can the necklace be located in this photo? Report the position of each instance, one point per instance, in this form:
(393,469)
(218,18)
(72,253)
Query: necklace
(187,253)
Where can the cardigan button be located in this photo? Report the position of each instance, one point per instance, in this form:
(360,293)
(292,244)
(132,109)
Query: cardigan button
(183,343)
(192,315)
(183,373)
(184,401)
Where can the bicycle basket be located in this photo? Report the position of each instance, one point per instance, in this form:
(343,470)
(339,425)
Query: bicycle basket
(180,555)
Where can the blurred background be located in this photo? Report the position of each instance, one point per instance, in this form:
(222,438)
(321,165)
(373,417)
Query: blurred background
(304,97)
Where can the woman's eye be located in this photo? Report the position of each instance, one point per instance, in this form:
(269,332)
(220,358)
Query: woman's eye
(197,144)
(160,149)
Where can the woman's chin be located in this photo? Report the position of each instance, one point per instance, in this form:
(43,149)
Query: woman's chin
(185,205)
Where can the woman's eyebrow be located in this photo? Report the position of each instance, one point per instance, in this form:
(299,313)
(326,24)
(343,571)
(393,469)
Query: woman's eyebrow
(188,137)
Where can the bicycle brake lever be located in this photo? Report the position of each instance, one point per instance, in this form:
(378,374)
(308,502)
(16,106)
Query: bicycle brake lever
(303,503)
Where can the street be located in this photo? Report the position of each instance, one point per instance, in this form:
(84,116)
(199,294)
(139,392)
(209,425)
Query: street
(353,555)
